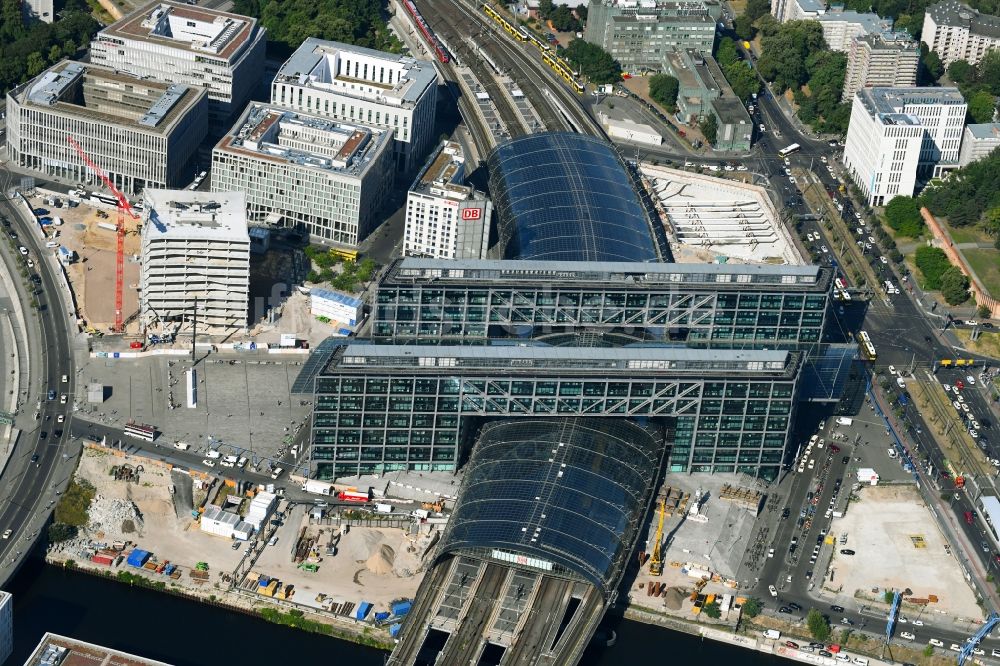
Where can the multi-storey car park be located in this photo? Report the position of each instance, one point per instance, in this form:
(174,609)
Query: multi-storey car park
(195,261)
(142,133)
(180,43)
(326,177)
(721,305)
(366,87)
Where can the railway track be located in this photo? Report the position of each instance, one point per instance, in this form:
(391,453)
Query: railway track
(455,27)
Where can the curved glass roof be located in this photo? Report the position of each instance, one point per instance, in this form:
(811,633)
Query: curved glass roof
(568,197)
(568,492)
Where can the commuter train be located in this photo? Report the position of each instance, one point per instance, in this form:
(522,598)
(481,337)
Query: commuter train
(563,69)
(432,39)
(504,23)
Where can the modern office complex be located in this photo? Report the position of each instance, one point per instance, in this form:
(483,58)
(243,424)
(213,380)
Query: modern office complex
(841,27)
(888,59)
(365,87)
(327,177)
(195,261)
(549,514)
(639,34)
(956,31)
(718,305)
(898,137)
(444,217)
(978,141)
(181,43)
(55,650)
(142,133)
(380,408)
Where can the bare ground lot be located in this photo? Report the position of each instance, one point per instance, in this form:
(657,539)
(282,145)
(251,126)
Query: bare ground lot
(898,546)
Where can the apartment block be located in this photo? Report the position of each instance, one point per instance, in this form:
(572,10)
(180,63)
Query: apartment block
(142,133)
(956,31)
(446,219)
(978,141)
(183,43)
(362,86)
(326,177)
(888,59)
(639,33)
(841,27)
(195,261)
(900,137)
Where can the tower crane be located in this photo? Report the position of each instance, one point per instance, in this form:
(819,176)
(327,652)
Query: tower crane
(123,207)
(656,561)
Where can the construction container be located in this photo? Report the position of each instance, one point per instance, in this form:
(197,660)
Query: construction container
(100,558)
(138,557)
(400,608)
(394,629)
(364,608)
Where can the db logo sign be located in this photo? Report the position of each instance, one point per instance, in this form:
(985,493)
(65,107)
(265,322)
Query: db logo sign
(472,213)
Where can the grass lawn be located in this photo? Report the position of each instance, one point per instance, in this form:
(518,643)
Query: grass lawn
(986,264)
(739,6)
(988,344)
(968,235)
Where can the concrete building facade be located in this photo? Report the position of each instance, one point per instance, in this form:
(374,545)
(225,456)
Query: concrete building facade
(888,59)
(978,141)
(956,31)
(6,625)
(181,43)
(841,27)
(639,33)
(195,245)
(365,87)
(327,177)
(703,90)
(899,137)
(142,133)
(446,219)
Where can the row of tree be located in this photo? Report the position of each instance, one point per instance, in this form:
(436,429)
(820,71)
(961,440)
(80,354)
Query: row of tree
(25,52)
(742,79)
(980,85)
(594,62)
(663,90)
(562,17)
(291,22)
(969,196)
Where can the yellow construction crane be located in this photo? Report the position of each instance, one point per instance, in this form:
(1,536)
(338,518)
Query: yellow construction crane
(656,561)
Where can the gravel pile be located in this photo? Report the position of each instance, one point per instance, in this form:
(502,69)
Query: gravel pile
(115,517)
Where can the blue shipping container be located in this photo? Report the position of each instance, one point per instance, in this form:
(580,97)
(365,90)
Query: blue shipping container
(394,629)
(137,558)
(401,607)
(382,617)
(363,609)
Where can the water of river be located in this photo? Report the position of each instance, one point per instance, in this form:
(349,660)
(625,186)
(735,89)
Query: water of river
(187,633)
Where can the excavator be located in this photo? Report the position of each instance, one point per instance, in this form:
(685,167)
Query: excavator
(656,561)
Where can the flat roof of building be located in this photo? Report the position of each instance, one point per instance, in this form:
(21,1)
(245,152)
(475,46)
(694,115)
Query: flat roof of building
(61,88)
(894,100)
(187,27)
(310,66)
(443,174)
(218,514)
(984,130)
(56,650)
(812,6)
(678,66)
(192,215)
(954,13)
(278,135)
(871,22)
(889,41)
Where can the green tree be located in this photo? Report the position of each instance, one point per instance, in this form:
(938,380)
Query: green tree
(784,50)
(709,127)
(73,505)
(988,72)
(743,27)
(931,67)
(903,215)
(757,8)
(563,20)
(663,90)
(954,286)
(61,532)
(991,221)
(929,650)
(545,8)
(35,63)
(983,312)
(982,104)
(55,53)
(712,610)
(819,625)
(752,607)
(932,263)
(594,62)
(581,13)
(742,80)
(961,72)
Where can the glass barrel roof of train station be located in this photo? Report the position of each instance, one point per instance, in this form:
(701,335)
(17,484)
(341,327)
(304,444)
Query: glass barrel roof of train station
(568,197)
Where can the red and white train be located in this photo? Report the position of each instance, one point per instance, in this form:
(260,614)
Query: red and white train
(432,39)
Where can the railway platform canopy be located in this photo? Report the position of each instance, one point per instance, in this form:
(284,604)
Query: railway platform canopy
(561,196)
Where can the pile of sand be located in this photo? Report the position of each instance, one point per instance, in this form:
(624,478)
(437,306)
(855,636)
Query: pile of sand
(675,598)
(381,561)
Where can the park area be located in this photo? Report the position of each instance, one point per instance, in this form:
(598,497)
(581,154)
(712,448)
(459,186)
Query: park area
(985,262)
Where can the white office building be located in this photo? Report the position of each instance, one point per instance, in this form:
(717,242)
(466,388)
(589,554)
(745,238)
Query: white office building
(956,31)
(446,219)
(142,133)
(195,261)
(361,86)
(901,137)
(888,59)
(978,141)
(326,177)
(6,625)
(841,27)
(178,42)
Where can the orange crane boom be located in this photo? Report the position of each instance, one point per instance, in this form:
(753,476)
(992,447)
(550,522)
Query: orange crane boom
(123,206)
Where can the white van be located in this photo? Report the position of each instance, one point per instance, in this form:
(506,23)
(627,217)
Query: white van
(231,459)
(181,446)
(892,452)
(861,661)
(212,453)
(844,421)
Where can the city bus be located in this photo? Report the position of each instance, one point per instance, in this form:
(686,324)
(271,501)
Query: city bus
(785,152)
(140,431)
(867,348)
